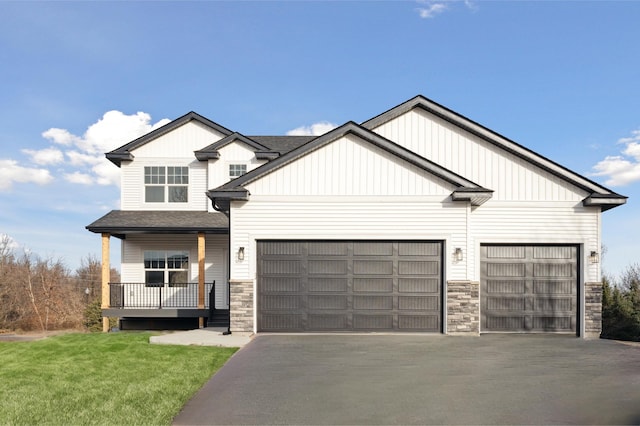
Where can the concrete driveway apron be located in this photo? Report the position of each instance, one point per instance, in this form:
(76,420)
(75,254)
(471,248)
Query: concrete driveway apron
(422,379)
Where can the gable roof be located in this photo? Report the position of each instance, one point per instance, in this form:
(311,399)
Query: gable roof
(265,147)
(124,152)
(212,152)
(466,190)
(599,195)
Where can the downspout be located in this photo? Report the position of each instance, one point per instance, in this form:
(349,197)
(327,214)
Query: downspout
(227,213)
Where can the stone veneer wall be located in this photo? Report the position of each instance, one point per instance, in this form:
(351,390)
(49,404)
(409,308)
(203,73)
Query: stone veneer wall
(241,306)
(463,307)
(592,309)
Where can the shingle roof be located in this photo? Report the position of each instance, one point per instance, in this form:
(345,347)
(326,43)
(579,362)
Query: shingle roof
(122,222)
(282,144)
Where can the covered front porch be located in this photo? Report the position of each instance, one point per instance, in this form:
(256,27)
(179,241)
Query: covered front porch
(174,265)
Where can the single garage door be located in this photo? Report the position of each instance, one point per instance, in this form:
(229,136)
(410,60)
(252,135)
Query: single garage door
(529,288)
(349,285)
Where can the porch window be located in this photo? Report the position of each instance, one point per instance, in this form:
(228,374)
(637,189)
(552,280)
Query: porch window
(171,267)
(166,183)
(237,170)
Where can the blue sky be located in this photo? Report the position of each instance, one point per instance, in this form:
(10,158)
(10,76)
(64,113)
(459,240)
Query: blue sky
(79,78)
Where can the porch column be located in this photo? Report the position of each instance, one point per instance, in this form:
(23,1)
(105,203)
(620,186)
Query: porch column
(201,254)
(106,276)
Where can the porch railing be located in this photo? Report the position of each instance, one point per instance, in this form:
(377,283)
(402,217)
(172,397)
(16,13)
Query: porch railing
(156,296)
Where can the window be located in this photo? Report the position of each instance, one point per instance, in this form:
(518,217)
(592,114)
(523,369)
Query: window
(162,267)
(236,170)
(166,183)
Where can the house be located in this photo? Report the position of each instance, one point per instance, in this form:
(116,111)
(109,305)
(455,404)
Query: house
(417,220)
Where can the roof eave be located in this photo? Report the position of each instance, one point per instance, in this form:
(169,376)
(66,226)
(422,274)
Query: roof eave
(475,196)
(118,157)
(604,201)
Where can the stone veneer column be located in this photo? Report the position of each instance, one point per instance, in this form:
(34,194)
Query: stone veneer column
(463,308)
(592,309)
(241,305)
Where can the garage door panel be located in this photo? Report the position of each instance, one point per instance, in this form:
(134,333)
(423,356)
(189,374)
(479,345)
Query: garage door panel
(327,267)
(417,322)
(372,267)
(536,295)
(418,249)
(373,285)
(281,284)
(418,303)
(327,302)
(349,285)
(554,287)
(506,270)
(418,268)
(281,322)
(282,267)
(327,285)
(366,248)
(500,286)
(372,322)
(373,302)
(326,248)
(328,322)
(419,285)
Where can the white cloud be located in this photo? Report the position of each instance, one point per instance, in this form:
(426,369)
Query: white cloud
(316,129)
(622,169)
(431,9)
(11,172)
(60,136)
(86,152)
(7,242)
(77,177)
(45,156)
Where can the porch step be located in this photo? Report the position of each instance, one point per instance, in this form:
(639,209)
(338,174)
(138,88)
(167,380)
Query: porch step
(218,318)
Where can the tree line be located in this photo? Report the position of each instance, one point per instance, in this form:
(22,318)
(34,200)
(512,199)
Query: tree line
(621,305)
(43,294)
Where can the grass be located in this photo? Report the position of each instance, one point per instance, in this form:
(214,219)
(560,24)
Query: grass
(101,379)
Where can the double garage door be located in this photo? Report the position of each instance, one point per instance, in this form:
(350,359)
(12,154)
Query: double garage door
(349,286)
(397,286)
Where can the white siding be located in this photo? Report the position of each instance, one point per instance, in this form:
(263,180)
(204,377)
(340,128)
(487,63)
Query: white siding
(180,142)
(234,153)
(509,176)
(536,223)
(358,218)
(349,166)
(175,148)
(132,189)
(133,248)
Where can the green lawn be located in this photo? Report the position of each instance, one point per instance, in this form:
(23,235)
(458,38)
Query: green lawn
(106,379)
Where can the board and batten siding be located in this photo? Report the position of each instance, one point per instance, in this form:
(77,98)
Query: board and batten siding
(345,218)
(234,153)
(350,167)
(132,267)
(536,223)
(180,142)
(511,177)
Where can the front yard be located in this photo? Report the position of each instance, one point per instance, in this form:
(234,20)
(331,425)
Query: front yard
(107,379)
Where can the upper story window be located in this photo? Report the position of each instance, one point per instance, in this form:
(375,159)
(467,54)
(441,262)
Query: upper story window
(236,170)
(166,184)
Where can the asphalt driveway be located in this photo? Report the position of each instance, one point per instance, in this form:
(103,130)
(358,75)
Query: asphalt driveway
(412,379)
